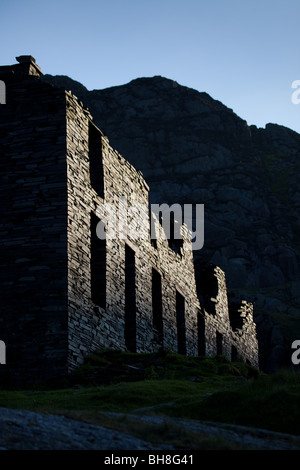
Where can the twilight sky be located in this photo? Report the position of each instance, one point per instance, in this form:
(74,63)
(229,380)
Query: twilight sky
(244,53)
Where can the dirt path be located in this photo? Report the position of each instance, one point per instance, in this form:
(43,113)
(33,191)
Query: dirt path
(27,430)
(247,437)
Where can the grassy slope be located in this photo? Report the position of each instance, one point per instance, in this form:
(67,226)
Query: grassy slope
(191,387)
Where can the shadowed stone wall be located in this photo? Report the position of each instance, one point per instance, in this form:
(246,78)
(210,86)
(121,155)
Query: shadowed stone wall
(65,292)
(33,223)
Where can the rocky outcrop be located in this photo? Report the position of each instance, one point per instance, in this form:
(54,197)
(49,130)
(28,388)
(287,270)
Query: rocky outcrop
(193,149)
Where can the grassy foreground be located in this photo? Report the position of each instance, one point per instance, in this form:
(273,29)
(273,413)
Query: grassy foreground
(198,388)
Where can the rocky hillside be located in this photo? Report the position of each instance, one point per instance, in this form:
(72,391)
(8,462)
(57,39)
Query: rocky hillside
(193,149)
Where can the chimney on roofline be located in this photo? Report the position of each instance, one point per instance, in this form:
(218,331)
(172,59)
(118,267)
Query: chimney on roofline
(28,66)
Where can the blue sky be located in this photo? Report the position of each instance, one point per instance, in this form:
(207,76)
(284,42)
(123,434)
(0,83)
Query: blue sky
(243,53)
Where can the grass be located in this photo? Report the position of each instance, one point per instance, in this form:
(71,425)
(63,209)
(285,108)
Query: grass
(108,367)
(123,382)
(270,402)
(198,388)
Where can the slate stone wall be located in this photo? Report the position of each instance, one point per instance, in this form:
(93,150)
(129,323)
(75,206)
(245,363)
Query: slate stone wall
(64,291)
(93,326)
(33,236)
(232,326)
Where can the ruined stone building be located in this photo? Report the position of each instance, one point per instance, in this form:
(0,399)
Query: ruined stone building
(66,292)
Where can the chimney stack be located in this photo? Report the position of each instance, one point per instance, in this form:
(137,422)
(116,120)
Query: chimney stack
(28,66)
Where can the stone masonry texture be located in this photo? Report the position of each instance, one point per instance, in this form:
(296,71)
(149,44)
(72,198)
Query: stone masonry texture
(66,292)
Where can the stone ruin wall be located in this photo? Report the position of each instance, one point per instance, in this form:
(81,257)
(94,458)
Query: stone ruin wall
(92,326)
(48,319)
(33,239)
(238,335)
